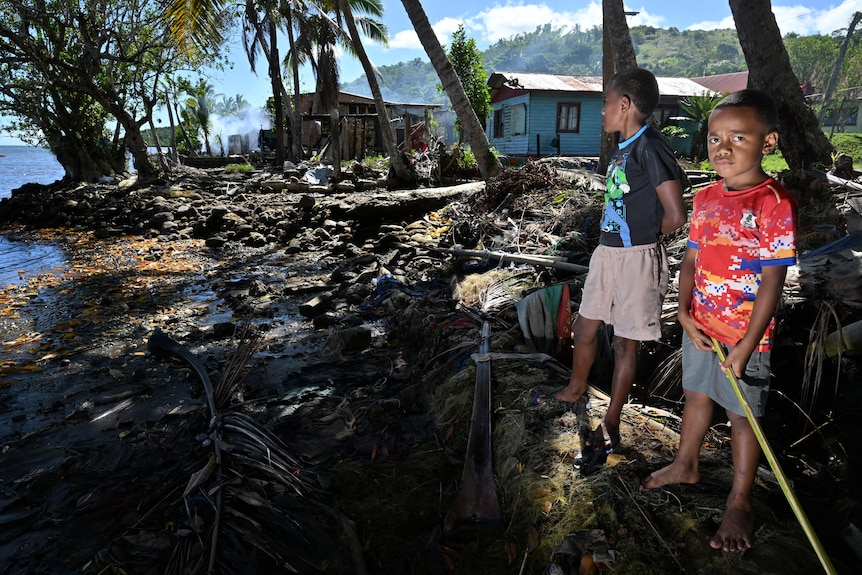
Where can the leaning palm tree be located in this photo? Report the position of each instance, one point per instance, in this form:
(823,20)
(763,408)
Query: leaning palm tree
(474,133)
(397,162)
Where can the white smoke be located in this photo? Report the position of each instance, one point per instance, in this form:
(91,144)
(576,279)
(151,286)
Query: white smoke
(246,125)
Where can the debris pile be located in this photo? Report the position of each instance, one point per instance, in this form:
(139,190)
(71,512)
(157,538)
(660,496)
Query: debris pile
(345,346)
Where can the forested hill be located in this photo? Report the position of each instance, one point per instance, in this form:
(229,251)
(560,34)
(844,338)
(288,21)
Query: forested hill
(667,52)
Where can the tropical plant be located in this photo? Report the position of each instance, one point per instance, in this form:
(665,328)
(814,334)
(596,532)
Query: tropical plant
(199,105)
(72,69)
(698,108)
(466,59)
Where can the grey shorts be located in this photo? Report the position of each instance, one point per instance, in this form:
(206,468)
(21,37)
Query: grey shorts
(702,373)
(625,287)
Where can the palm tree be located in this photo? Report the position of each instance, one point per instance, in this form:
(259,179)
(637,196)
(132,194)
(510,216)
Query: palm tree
(260,34)
(200,105)
(397,162)
(618,54)
(474,133)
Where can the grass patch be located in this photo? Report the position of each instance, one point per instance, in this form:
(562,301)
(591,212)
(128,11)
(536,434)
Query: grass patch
(850,144)
(238,168)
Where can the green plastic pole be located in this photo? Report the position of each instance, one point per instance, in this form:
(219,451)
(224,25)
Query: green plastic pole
(776,468)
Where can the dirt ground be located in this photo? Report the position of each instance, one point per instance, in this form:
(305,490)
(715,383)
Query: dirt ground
(338,444)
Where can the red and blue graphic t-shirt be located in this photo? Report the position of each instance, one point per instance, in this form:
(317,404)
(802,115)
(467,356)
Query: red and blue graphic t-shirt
(737,234)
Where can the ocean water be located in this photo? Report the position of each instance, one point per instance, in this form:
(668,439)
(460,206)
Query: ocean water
(21,165)
(20,261)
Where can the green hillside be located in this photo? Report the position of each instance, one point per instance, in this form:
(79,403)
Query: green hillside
(665,51)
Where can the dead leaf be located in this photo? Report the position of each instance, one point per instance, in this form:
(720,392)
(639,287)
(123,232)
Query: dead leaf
(511,551)
(532,539)
(201,476)
(587,566)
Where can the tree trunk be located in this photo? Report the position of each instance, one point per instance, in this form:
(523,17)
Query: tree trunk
(836,68)
(397,161)
(277,87)
(473,131)
(175,156)
(296,131)
(802,141)
(617,30)
(618,54)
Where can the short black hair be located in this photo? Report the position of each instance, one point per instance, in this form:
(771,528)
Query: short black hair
(640,86)
(762,103)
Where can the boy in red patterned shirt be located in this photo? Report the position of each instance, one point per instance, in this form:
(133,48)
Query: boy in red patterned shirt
(741,241)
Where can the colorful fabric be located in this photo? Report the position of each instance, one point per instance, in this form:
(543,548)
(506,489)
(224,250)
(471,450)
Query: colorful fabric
(736,234)
(636,167)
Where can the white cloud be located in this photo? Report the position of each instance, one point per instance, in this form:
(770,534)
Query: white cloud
(797,18)
(499,22)
(407,39)
(805,21)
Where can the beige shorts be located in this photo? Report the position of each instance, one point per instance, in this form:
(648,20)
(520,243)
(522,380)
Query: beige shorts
(625,287)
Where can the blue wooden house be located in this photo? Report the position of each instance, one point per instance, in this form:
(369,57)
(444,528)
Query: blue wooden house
(537,115)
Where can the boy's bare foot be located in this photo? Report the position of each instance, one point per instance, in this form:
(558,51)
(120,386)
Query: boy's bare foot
(736,531)
(676,472)
(567,394)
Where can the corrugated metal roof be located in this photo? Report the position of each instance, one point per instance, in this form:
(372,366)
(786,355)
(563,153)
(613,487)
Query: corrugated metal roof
(724,83)
(559,83)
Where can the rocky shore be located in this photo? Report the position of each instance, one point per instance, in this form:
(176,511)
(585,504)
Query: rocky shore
(337,329)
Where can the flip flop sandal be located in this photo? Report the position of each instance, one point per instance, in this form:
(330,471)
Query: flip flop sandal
(596,451)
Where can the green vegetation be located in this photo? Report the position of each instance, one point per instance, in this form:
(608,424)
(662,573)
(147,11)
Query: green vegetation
(468,63)
(238,168)
(850,144)
(774,163)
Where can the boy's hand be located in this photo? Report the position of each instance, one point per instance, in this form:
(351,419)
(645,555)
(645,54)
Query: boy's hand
(737,358)
(700,340)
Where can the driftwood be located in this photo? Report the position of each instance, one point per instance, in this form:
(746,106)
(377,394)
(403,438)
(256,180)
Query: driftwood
(398,205)
(477,500)
(557,262)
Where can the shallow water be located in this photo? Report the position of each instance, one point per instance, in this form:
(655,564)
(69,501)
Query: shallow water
(19,165)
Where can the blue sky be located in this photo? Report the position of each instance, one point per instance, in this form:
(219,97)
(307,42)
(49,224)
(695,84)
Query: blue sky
(489,21)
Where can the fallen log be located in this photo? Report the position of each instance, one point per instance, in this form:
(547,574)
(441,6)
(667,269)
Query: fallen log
(398,205)
(556,262)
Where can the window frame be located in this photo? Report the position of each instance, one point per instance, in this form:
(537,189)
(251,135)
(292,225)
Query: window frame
(499,123)
(560,117)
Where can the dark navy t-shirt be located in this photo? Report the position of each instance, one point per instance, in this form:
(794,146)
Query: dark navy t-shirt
(636,167)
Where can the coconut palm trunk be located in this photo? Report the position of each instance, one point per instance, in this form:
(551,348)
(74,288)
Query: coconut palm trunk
(397,162)
(616,30)
(489,165)
(802,141)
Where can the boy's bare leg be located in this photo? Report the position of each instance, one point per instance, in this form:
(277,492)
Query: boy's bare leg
(625,368)
(696,418)
(736,531)
(584,334)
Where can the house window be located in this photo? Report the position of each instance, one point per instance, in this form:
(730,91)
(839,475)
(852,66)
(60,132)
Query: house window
(498,123)
(519,119)
(568,117)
